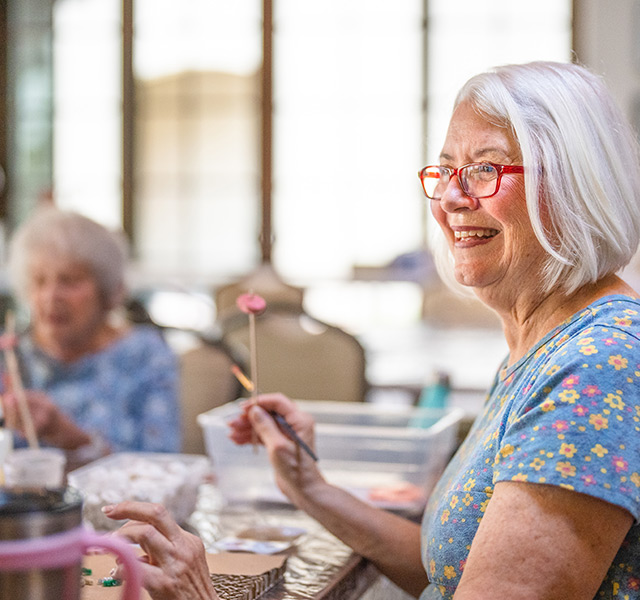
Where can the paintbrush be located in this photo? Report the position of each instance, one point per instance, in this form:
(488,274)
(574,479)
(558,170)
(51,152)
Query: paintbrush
(248,385)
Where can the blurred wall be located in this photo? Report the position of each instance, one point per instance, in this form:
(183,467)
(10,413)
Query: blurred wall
(607,39)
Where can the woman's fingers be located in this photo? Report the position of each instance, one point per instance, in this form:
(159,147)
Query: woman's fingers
(150,573)
(176,566)
(267,429)
(155,515)
(42,411)
(241,427)
(278,402)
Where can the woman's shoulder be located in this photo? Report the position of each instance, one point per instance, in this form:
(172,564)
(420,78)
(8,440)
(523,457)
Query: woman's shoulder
(143,333)
(608,323)
(608,327)
(141,340)
(611,314)
(618,312)
(616,315)
(615,303)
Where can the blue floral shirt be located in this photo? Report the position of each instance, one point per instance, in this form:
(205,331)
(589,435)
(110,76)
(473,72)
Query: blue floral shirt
(127,392)
(566,414)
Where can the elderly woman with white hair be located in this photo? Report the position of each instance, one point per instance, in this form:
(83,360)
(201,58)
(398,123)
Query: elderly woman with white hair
(537,196)
(94,384)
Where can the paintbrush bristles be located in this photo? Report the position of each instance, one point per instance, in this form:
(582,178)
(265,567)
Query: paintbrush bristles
(246,383)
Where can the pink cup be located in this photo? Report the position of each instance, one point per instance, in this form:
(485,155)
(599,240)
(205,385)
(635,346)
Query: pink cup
(66,549)
(42,542)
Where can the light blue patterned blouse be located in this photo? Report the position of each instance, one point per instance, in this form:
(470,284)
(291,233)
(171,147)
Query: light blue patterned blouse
(567,414)
(127,393)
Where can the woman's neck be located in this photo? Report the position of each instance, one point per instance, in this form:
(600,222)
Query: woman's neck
(71,350)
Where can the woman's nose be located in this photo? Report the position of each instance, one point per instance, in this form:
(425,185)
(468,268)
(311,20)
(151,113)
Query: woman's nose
(454,198)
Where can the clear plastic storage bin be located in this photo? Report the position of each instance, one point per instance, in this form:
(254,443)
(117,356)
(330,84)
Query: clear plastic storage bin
(165,478)
(365,448)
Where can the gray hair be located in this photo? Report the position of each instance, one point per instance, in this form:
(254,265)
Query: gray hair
(74,237)
(582,165)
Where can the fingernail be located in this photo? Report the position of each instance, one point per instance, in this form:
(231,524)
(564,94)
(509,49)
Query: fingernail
(107,508)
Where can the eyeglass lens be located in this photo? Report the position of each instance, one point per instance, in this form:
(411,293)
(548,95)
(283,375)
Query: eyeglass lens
(476,180)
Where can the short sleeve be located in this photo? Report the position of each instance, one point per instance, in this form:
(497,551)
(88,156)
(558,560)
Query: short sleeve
(575,420)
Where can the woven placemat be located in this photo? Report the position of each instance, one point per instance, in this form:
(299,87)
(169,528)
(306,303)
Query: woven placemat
(246,587)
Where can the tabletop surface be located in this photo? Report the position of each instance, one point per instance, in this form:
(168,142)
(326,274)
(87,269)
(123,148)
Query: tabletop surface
(319,566)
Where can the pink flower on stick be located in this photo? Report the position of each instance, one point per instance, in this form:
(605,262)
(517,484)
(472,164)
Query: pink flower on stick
(251,304)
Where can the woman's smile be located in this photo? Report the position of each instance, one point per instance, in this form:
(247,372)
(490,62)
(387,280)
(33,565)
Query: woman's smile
(466,237)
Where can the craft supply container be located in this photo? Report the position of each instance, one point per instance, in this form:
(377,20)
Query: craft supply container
(360,447)
(164,478)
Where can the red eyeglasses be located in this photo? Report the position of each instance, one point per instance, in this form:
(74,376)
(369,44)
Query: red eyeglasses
(477,180)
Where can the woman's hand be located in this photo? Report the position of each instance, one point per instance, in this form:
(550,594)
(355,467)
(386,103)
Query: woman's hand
(296,472)
(391,542)
(174,566)
(50,423)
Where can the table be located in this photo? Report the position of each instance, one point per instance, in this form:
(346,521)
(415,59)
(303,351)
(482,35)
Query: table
(319,567)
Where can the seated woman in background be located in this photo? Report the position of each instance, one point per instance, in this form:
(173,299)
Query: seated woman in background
(94,384)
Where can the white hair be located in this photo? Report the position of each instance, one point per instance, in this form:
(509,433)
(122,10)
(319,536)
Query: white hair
(74,237)
(582,165)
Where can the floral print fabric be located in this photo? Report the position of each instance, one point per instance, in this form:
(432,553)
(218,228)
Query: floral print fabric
(127,393)
(566,414)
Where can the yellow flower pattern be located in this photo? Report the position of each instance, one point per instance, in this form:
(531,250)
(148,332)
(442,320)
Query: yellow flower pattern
(567,414)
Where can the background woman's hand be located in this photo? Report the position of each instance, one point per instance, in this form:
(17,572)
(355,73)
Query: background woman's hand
(175,565)
(296,472)
(50,423)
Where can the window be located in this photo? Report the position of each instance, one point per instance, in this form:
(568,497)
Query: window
(466,37)
(87,122)
(196,65)
(348,110)
(358,107)
(196,183)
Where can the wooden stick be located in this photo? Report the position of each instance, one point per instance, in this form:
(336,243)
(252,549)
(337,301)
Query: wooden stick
(16,384)
(252,304)
(254,371)
(254,357)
